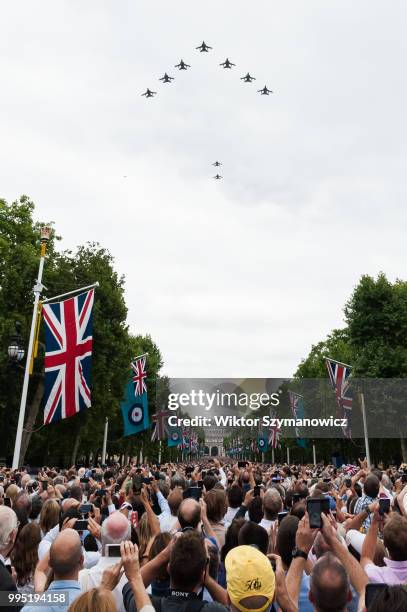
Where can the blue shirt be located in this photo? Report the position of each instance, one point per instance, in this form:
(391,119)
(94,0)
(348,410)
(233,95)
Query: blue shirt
(71,586)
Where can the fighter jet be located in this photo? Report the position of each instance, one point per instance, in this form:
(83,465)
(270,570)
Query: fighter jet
(204,48)
(264,91)
(227,63)
(182,65)
(166,78)
(248,78)
(217,177)
(217,163)
(149,93)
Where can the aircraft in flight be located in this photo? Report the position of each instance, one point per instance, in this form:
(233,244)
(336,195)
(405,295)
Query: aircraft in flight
(166,78)
(182,65)
(204,48)
(149,93)
(264,91)
(217,177)
(227,63)
(248,78)
(217,163)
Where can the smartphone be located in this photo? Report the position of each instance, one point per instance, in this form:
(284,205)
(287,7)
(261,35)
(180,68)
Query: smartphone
(242,464)
(194,492)
(112,550)
(404,478)
(44,484)
(256,491)
(84,480)
(203,474)
(117,488)
(384,506)
(7,501)
(281,516)
(348,483)
(200,484)
(372,591)
(326,480)
(296,498)
(86,508)
(101,492)
(325,505)
(30,488)
(81,525)
(1,478)
(314,509)
(98,477)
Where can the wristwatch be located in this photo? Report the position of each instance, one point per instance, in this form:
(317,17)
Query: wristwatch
(299,553)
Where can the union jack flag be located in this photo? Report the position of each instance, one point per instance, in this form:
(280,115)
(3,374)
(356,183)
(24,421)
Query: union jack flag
(161,429)
(339,374)
(68,356)
(139,368)
(275,435)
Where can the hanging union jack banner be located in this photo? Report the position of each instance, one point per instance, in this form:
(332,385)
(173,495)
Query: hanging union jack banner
(68,356)
(339,374)
(161,430)
(274,436)
(139,375)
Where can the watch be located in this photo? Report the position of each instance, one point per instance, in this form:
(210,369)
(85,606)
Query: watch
(299,553)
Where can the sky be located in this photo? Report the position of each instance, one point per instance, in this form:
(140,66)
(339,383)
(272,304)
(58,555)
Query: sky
(236,277)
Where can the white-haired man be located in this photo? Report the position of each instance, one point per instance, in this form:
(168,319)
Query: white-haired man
(115,529)
(8,532)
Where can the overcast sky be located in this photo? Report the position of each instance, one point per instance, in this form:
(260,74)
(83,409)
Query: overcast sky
(236,277)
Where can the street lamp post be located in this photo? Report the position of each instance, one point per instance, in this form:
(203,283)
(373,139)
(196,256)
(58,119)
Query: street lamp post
(16,354)
(38,287)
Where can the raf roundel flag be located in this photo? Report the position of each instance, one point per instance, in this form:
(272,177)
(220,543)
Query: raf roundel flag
(68,356)
(174,437)
(262,443)
(135,405)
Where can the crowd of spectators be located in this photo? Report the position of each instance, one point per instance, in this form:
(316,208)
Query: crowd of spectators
(210,535)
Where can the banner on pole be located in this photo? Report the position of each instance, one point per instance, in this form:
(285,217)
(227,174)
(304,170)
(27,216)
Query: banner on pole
(135,405)
(68,356)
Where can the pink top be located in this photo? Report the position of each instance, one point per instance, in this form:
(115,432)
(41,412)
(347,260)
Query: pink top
(394,572)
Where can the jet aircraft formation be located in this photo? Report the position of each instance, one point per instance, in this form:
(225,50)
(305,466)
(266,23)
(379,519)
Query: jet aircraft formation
(204,48)
(227,64)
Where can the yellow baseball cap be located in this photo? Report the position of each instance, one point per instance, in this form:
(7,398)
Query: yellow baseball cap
(249,574)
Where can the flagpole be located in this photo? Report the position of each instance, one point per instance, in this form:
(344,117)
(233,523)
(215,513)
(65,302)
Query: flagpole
(272,455)
(314,453)
(57,297)
(362,405)
(38,287)
(105,441)
(288,455)
(159,452)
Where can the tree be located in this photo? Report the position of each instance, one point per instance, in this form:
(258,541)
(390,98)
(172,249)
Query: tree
(113,347)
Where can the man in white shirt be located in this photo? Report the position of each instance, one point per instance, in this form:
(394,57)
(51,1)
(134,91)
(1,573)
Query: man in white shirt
(235,500)
(115,529)
(169,507)
(272,505)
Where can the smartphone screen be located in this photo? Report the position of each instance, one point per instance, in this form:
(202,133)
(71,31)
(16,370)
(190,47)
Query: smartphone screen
(84,480)
(314,509)
(384,506)
(296,498)
(7,501)
(81,525)
(194,492)
(281,516)
(256,491)
(200,484)
(147,480)
(85,508)
(242,464)
(113,550)
(348,482)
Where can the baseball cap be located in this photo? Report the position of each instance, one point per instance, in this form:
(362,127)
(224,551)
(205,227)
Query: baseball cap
(249,574)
